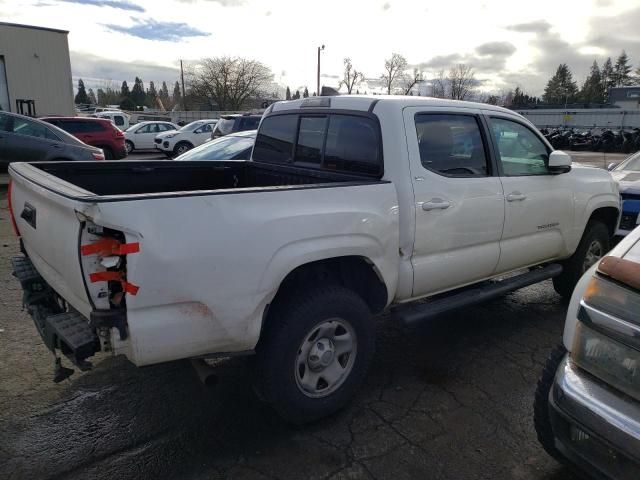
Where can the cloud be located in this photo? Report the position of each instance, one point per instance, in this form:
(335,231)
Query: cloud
(386,6)
(487,58)
(154,30)
(496,48)
(99,71)
(604,3)
(224,3)
(537,26)
(120,4)
(326,75)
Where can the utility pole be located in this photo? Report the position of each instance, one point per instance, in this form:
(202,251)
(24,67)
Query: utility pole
(184,101)
(318,84)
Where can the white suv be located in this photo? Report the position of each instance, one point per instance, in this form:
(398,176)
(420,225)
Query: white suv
(175,143)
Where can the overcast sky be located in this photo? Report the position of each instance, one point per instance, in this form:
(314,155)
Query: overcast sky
(508,42)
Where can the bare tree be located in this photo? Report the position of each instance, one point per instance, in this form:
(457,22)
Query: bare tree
(229,81)
(394,69)
(411,81)
(461,81)
(351,76)
(439,85)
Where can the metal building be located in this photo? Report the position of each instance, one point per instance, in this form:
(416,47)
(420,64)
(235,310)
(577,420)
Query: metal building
(35,70)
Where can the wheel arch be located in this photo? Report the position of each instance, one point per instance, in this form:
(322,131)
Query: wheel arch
(610,216)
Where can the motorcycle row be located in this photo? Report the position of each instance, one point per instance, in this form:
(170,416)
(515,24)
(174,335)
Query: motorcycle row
(594,140)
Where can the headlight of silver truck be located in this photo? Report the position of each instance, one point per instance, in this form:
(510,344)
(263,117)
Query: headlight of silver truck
(611,361)
(605,350)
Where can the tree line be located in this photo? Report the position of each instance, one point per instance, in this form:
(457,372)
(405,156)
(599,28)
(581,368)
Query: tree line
(234,83)
(135,98)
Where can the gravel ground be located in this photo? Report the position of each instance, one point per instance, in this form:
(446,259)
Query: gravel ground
(451,400)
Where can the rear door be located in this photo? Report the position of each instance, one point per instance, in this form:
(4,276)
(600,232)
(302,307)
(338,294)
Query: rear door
(459,201)
(539,206)
(29,141)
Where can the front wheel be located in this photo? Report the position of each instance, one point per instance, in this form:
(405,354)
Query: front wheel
(181,148)
(315,352)
(541,418)
(592,247)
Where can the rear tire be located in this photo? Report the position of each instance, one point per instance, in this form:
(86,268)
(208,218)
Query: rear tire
(108,153)
(128,145)
(541,418)
(592,247)
(314,353)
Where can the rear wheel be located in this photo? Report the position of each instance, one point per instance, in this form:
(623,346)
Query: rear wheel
(128,144)
(181,148)
(314,353)
(592,247)
(108,153)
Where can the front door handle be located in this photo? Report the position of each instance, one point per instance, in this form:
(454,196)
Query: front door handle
(516,197)
(435,204)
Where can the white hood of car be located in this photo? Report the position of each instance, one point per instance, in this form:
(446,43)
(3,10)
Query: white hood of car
(627,180)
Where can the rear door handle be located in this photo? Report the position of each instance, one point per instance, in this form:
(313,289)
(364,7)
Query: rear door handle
(516,197)
(435,204)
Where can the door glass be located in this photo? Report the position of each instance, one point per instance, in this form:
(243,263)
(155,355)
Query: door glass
(144,129)
(451,145)
(310,139)
(520,150)
(51,136)
(119,120)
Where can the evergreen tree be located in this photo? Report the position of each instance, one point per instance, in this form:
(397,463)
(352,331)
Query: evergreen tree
(592,91)
(127,104)
(296,96)
(622,71)
(305,94)
(288,94)
(561,88)
(177,96)
(607,78)
(151,96)
(92,97)
(102,97)
(164,93)
(124,90)
(137,93)
(81,96)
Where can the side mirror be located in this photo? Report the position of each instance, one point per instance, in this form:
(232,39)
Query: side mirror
(612,165)
(559,162)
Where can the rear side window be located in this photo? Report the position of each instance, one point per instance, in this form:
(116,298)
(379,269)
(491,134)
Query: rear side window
(451,145)
(341,142)
(275,139)
(249,123)
(118,120)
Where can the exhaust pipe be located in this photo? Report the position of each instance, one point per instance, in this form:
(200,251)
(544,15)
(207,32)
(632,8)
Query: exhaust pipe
(206,373)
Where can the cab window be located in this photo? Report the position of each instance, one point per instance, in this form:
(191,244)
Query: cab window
(520,151)
(451,145)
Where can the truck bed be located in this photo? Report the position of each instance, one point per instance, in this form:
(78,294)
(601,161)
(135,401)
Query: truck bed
(153,177)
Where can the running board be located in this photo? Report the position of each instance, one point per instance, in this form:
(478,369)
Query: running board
(416,313)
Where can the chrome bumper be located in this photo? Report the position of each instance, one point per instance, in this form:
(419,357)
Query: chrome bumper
(595,427)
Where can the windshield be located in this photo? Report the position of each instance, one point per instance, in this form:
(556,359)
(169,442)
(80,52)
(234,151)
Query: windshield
(632,163)
(225,125)
(225,148)
(189,127)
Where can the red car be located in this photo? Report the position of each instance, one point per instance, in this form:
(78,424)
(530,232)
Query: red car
(98,132)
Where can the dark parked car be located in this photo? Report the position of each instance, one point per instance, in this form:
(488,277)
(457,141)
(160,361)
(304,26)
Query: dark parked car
(235,123)
(236,146)
(99,132)
(26,139)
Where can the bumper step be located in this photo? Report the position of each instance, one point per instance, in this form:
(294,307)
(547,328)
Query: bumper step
(71,334)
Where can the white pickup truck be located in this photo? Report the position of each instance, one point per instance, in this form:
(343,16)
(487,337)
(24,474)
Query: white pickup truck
(348,205)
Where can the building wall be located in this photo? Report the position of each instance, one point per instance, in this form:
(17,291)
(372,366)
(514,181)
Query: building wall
(38,67)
